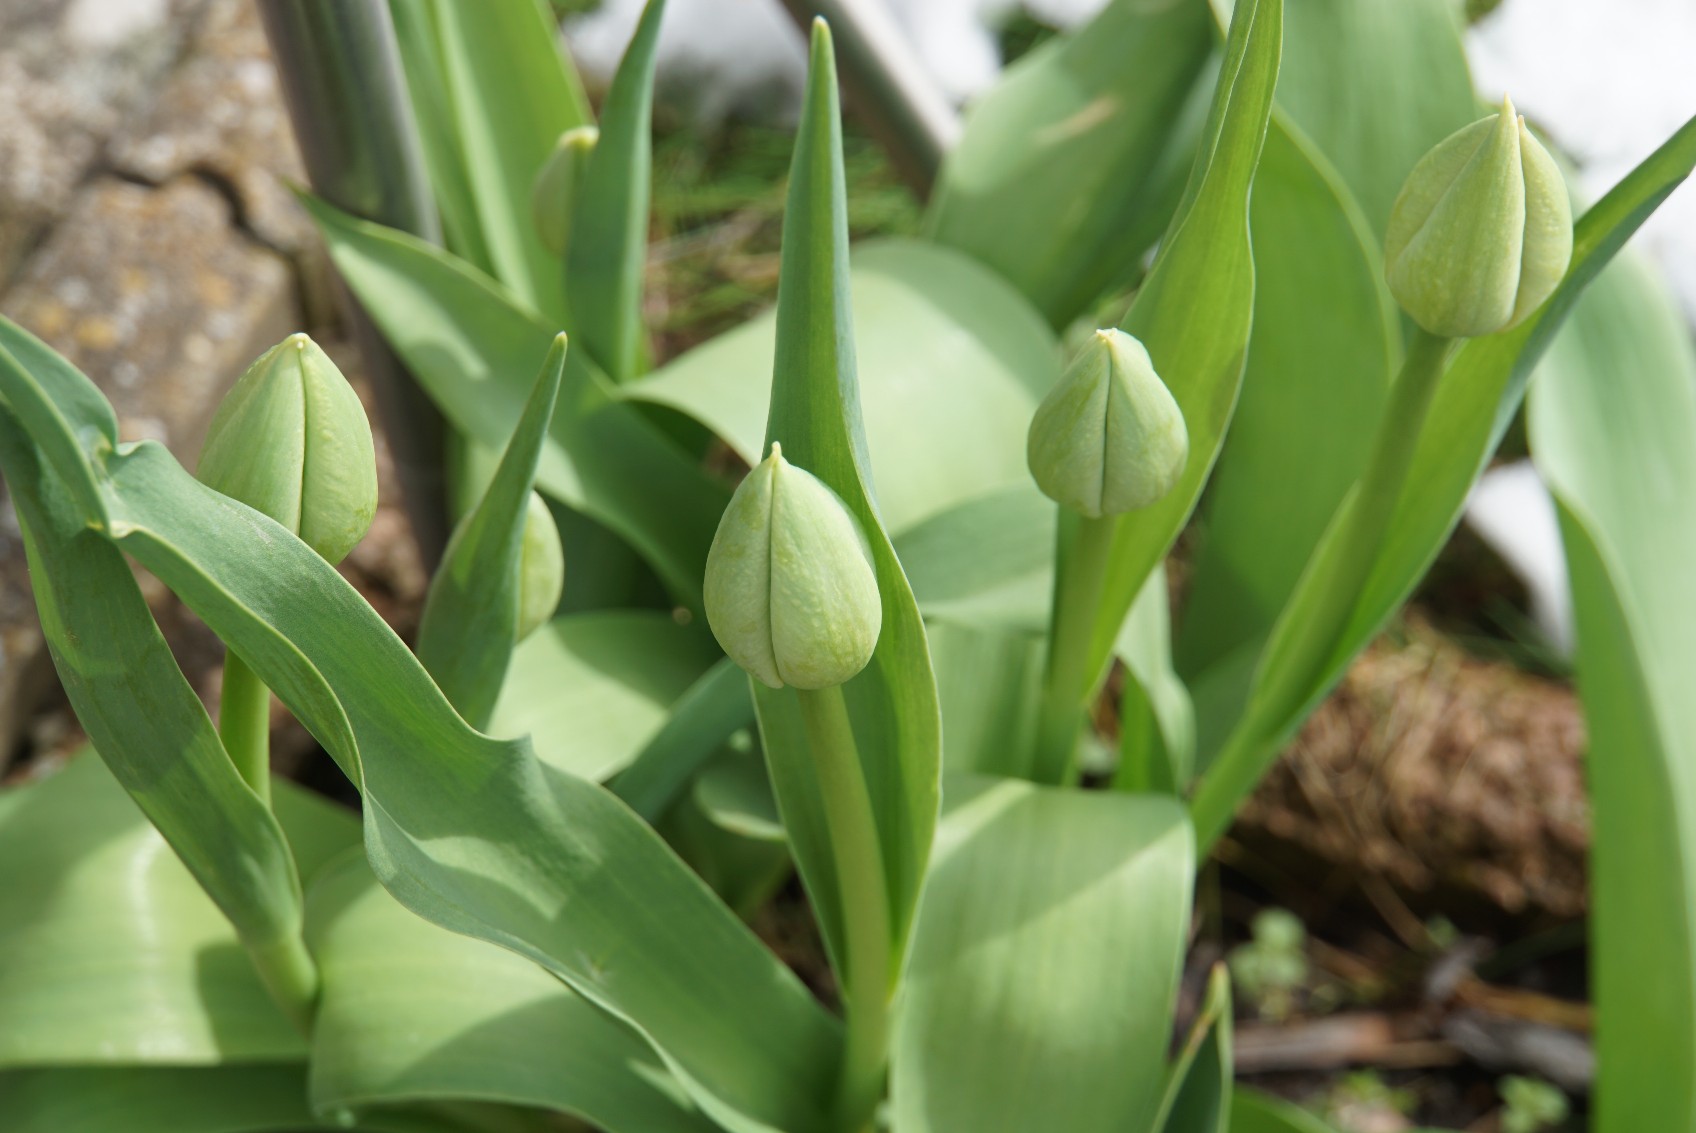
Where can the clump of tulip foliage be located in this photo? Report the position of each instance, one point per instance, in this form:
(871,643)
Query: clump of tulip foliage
(645,692)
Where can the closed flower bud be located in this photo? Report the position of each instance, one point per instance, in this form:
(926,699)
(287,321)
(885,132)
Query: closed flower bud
(1481,233)
(791,592)
(291,440)
(541,569)
(1108,438)
(554,191)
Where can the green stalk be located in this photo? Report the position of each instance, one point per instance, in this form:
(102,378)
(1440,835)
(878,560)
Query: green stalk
(286,969)
(867,973)
(1079,577)
(244,724)
(1360,534)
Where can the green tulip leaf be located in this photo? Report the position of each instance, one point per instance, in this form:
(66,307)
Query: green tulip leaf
(470,623)
(1610,421)
(472,346)
(1045,962)
(1472,406)
(815,415)
(110,951)
(1194,311)
(470,832)
(593,690)
(1069,166)
(510,93)
(953,364)
(1199,1087)
(609,222)
(411,1012)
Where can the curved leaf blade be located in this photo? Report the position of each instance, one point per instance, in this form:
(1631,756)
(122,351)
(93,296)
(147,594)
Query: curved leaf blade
(815,415)
(1611,420)
(1045,962)
(413,1012)
(1194,312)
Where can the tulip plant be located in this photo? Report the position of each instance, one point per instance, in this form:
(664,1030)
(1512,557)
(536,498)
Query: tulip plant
(644,690)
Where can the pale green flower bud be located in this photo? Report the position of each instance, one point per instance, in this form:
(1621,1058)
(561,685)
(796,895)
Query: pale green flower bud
(541,568)
(1481,233)
(291,440)
(791,591)
(554,191)
(1108,438)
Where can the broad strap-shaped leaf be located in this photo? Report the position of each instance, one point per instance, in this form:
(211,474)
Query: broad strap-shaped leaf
(110,951)
(413,1012)
(438,132)
(609,223)
(470,832)
(473,347)
(1374,84)
(1045,962)
(952,363)
(988,678)
(1472,406)
(592,690)
(470,623)
(1612,423)
(258,1098)
(1069,168)
(988,561)
(702,719)
(815,415)
(1255,1112)
(511,93)
(1194,311)
(1199,1087)
(111,657)
(1319,364)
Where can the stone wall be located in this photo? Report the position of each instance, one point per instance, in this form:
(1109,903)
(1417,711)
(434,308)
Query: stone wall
(147,230)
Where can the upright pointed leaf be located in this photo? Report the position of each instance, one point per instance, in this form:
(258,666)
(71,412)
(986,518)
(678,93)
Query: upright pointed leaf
(1045,962)
(1611,425)
(815,415)
(471,616)
(1193,313)
(1318,369)
(609,224)
(511,94)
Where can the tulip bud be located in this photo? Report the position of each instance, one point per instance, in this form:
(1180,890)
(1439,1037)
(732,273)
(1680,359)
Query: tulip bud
(541,569)
(791,591)
(554,191)
(1481,233)
(291,440)
(1108,438)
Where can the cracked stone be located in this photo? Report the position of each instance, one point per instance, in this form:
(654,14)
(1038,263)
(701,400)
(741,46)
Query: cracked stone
(70,71)
(221,113)
(159,298)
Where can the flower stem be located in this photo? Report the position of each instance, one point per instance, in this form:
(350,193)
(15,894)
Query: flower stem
(1294,668)
(244,724)
(1084,548)
(867,961)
